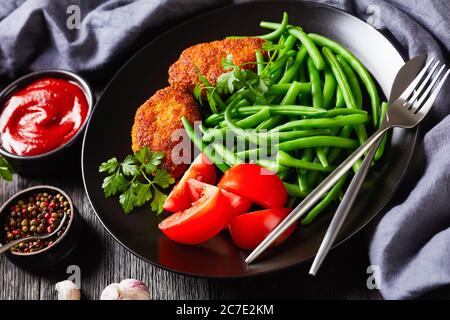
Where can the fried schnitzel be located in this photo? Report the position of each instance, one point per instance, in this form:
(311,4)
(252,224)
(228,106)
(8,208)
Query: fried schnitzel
(207,58)
(158,118)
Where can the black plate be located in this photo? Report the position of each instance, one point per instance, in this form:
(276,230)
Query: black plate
(108,135)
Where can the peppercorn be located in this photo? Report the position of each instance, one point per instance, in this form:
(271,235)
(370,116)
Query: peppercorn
(38,214)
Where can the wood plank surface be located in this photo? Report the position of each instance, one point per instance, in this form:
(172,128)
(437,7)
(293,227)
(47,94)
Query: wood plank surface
(103,261)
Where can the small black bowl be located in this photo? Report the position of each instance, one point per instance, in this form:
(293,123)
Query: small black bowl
(63,156)
(60,249)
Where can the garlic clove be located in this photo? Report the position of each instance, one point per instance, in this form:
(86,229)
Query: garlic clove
(67,290)
(111,292)
(128,289)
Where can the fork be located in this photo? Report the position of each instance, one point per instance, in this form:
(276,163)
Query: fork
(405,112)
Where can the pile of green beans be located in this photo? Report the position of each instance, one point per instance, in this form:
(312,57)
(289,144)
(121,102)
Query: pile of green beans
(314,116)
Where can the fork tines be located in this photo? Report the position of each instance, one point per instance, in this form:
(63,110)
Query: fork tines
(420,98)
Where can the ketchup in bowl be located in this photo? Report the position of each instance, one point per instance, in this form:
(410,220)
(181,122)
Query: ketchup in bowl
(42,116)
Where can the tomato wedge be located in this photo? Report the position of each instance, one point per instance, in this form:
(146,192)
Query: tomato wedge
(238,204)
(206,217)
(201,169)
(256,184)
(250,229)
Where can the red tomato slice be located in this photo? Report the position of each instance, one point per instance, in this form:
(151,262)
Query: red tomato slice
(238,205)
(250,229)
(179,198)
(206,217)
(256,184)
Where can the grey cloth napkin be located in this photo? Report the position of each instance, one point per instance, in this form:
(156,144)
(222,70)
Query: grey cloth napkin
(410,244)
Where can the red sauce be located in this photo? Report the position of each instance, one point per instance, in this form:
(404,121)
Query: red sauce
(43,116)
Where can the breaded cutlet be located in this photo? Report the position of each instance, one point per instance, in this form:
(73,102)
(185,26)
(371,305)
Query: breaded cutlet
(158,118)
(207,57)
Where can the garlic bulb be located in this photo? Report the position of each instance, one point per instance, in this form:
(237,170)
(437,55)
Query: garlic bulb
(67,290)
(128,289)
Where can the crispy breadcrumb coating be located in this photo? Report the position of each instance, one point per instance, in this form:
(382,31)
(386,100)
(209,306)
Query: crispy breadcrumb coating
(158,118)
(207,58)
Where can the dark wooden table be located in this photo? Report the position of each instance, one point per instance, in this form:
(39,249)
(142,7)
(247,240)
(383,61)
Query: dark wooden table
(102,261)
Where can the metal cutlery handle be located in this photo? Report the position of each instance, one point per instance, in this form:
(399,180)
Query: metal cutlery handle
(343,209)
(314,196)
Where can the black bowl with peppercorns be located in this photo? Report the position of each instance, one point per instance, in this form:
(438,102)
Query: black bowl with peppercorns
(39,211)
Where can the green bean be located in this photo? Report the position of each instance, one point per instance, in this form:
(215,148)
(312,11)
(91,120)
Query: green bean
(345,89)
(301,174)
(342,112)
(270,123)
(329,88)
(351,119)
(316,88)
(282,136)
(331,195)
(305,143)
(254,118)
(287,110)
(273,166)
(279,31)
(216,118)
(276,70)
(304,97)
(290,74)
(259,62)
(249,122)
(286,160)
(292,135)
(226,155)
(294,191)
(352,80)
(317,98)
(340,102)
(279,89)
(317,141)
(289,99)
(273,25)
(203,147)
(313,52)
(380,150)
(281,61)
(358,67)
(334,153)
(252,137)
(289,44)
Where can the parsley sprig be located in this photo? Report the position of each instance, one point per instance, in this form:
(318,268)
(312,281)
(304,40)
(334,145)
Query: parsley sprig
(242,80)
(138,179)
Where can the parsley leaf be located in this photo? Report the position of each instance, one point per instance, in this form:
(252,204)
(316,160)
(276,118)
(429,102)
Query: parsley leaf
(109,166)
(137,179)
(158,201)
(113,184)
(128,198)
(129,166)
(198,93)
(227,63)
(163,178)
(149,159)
(143,193)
